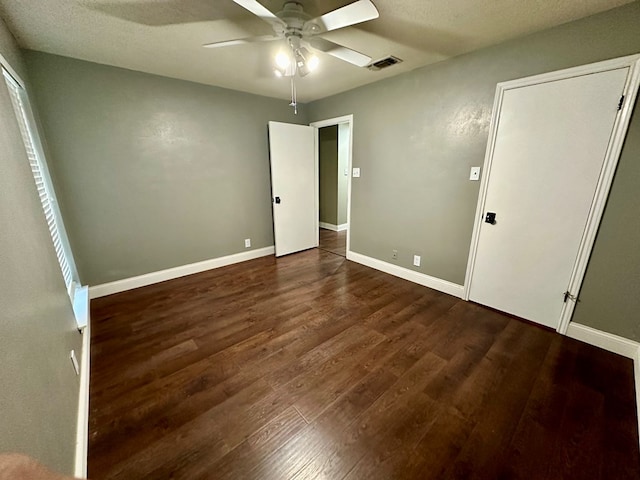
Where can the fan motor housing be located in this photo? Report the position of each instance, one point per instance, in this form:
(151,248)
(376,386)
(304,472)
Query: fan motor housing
(294,16)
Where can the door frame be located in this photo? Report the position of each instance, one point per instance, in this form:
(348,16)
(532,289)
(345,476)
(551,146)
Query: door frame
(328,123)
(603,187)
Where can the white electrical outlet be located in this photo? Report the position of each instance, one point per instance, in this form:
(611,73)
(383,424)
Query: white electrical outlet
(394,254)
(356,173)
(416,260)
(475,173)
(74,362)
(247,242)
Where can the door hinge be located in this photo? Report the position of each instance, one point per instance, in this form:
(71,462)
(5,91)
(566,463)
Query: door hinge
(620,103)
(568,296)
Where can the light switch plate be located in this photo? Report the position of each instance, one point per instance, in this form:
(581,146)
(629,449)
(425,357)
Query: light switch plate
(356,172)
(475,173)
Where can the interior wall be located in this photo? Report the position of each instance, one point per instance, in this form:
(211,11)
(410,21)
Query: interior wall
(417,135)
(344,137)
(38,387)
(328,173)
(153,172)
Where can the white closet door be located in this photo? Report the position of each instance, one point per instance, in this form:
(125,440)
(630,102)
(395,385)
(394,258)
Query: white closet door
(549,152)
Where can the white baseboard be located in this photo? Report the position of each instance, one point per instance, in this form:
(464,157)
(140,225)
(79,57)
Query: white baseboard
(171,273)
(82,431)
(607,341)
(411,275)
(613,343)
(336,228)
(636,376)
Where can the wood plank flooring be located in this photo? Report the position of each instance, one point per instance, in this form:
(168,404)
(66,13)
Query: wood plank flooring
(310,366)
(334,242)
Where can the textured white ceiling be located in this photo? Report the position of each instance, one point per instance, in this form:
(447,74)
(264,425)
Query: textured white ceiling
(164,37)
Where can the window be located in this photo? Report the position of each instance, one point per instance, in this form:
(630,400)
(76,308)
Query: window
(41,176)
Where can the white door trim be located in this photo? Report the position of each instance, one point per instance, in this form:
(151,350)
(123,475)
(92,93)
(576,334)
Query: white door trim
(604,183)
(82,429)
(328,123)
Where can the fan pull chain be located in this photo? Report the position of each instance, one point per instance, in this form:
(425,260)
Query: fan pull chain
(294,96)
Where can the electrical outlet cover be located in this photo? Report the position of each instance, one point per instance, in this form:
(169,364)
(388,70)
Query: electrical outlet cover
(416,260)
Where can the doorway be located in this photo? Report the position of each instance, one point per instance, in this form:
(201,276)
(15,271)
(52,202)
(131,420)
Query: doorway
(333,160)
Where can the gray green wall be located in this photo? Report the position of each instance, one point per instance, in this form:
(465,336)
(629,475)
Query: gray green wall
(151,172)
(417,135)
(333,160)
(38,387)
(328,173)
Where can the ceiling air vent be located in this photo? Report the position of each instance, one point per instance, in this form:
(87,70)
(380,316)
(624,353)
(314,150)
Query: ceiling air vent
(384,63)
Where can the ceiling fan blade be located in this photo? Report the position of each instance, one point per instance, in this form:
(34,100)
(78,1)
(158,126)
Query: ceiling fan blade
(343,53)
(259,10)
(356,12)
(241,41)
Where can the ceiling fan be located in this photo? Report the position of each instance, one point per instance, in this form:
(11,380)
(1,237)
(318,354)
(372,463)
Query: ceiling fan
(302,33)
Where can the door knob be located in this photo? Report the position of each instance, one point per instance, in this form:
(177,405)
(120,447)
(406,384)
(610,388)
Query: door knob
(490,217)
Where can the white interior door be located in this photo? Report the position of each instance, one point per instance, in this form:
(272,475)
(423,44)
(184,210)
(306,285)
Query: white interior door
(293,187)
(548,155)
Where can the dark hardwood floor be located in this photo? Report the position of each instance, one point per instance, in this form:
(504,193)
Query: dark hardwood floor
(334,242)
(310,366)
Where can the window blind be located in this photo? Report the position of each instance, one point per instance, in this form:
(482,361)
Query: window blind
(43,185)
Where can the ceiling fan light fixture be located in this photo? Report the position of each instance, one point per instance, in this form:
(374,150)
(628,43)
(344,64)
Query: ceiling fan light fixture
(296,60)
(301,63)
(302,69)
(306,62)
(285,64)
(283,60)
(313,63)
(290,71)
(300,30)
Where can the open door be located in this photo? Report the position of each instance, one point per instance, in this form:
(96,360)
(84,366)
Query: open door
(293,187)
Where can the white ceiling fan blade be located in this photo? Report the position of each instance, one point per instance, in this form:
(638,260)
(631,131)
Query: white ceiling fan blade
(259,10)
(241,41)
(356,12)
(343,53)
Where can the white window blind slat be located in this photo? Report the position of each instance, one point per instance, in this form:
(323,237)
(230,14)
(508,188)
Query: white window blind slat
(44,189)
